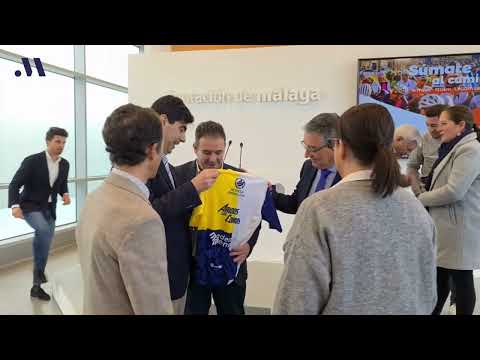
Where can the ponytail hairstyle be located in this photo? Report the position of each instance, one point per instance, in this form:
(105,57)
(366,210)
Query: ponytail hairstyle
(368,130)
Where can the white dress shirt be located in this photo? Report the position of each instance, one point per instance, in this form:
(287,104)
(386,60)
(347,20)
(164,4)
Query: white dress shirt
(53,168)
(139,183)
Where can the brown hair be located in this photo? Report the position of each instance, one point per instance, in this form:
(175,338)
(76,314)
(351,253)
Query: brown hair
(368,130)
(209,128)
(129,131)
(459,113)
(174,108)
(435,110)
(55,131)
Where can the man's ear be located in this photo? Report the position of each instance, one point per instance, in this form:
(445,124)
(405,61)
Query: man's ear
(342,150)
(149,151)
(163,119)
(154,149)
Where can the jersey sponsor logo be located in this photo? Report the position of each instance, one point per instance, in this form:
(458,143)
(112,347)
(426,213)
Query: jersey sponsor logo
(240,183)
(220,239)
(230,214)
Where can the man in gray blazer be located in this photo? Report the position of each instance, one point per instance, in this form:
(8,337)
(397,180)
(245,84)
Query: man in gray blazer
(121,238)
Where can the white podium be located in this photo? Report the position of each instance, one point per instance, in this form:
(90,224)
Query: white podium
(67,290)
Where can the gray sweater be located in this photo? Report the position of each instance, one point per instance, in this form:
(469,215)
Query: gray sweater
(350,251)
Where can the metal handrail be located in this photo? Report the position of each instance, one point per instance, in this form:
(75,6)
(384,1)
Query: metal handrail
(4,186)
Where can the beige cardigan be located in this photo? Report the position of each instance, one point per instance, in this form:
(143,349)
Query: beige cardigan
(121,242)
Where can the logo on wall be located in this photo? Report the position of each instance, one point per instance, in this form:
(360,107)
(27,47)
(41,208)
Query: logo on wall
(28,68)
(282,95)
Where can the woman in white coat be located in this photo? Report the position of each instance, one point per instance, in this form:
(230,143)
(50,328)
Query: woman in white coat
(453,200)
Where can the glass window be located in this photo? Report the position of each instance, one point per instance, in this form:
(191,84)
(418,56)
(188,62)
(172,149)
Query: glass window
(109,62)
(67,214)
(28,107)
(11,227)
(101,102)
(58,55)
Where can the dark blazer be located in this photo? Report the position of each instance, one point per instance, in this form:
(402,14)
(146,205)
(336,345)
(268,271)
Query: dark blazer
(174,207)
(34,177)
(187,172)
(290,203)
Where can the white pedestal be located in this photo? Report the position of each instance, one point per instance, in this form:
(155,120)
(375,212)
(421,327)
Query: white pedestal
(67,290)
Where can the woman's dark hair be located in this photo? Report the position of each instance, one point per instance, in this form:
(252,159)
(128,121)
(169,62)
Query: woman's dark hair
(53,131)
(368,130)
(459,113)
(129,131)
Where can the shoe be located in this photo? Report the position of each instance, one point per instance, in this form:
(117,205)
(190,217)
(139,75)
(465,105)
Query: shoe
(37,292)
(452,310)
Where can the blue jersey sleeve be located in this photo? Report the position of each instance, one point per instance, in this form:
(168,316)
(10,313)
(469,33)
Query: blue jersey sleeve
(269,212)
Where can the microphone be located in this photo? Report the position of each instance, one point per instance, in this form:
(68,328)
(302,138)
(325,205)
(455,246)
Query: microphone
(241,149)
(228,147)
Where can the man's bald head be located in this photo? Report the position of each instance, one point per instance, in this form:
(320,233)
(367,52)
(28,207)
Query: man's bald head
(405,139)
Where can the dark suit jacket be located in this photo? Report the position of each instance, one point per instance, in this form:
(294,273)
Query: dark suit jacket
(290,203)
(174,207)
(187,172)
(34,177)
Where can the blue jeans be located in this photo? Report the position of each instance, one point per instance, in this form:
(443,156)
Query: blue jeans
(44,225)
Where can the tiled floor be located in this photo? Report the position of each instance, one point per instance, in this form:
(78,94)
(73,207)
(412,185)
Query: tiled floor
(16,281)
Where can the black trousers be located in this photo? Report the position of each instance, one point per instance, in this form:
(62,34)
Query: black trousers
(229,300)
(464,286)
(453,292)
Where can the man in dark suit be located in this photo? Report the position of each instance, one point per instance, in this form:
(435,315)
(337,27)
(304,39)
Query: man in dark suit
(318,172)
(43,177)
(209,148)
(174,200)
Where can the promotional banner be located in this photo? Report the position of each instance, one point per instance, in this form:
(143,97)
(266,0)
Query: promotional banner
(406,86)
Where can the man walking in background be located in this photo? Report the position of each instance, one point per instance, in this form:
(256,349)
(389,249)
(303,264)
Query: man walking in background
(43,177)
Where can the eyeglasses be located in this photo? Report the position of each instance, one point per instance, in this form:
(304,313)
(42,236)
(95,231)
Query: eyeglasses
(333,142)
(311,149)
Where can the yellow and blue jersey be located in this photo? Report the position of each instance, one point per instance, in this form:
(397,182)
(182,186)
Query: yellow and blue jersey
(230,212)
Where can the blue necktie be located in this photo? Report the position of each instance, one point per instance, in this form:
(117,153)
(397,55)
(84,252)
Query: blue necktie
(323,179)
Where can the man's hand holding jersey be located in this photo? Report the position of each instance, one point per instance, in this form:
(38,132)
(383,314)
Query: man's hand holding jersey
(240,254)
(205,179)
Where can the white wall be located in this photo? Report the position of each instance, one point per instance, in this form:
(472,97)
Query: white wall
(271,132)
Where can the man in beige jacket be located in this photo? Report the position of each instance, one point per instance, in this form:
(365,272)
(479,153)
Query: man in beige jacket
(121,239)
